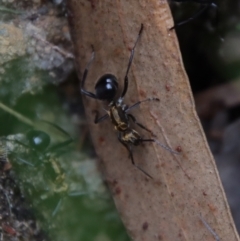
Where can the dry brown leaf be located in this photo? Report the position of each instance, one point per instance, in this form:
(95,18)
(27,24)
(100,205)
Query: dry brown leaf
(184,202)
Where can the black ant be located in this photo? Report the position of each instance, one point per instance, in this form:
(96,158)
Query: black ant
(204,5)
(106,90)
(47,177)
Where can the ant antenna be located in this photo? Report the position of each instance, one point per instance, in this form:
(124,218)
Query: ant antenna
(130,62)
(209,228)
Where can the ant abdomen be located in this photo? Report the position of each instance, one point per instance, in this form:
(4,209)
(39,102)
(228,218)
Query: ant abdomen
(106,87)
(131,136)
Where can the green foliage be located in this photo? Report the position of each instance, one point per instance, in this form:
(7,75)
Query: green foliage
(48,178)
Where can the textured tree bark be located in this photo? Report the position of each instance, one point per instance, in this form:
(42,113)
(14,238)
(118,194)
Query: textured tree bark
(185,199)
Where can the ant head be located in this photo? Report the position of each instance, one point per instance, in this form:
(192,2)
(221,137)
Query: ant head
(38,140)
(106,87)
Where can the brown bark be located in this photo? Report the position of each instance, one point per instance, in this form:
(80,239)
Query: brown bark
(178,200)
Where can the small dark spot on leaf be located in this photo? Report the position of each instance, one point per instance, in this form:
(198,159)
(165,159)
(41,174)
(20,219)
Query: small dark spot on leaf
(118,190)
(93,5)
(163,165)
(212,208)
(115,182)
(167,87)
(147,179)
(117,51)
(101,140)
(154,92)
(145,226)
(126,196)
(160,237)
(142,93)
(179,149)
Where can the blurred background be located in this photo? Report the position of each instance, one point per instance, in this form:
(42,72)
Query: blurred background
(211,54)
(56,192)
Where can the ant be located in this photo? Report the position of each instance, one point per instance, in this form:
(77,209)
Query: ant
(118,112)
(47,179)
(204,5)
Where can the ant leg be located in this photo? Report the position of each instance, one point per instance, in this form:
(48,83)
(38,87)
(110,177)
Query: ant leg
(57,127)
(130,62)
(139,102)
(139,124)
(59,146)
(209,228)
(131,155)
(9,203)
(202,9)
(56,209)
(160,144)
(21,160)
(83,91)
(24,161)
(99,119)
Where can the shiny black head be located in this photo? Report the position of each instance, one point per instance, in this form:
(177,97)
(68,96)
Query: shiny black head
(106,87)
(38,140)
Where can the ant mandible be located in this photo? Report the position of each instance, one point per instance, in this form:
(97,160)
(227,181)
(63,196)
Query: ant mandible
(106,90)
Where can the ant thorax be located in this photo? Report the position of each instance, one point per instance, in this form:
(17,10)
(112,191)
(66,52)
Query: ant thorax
(111,104)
